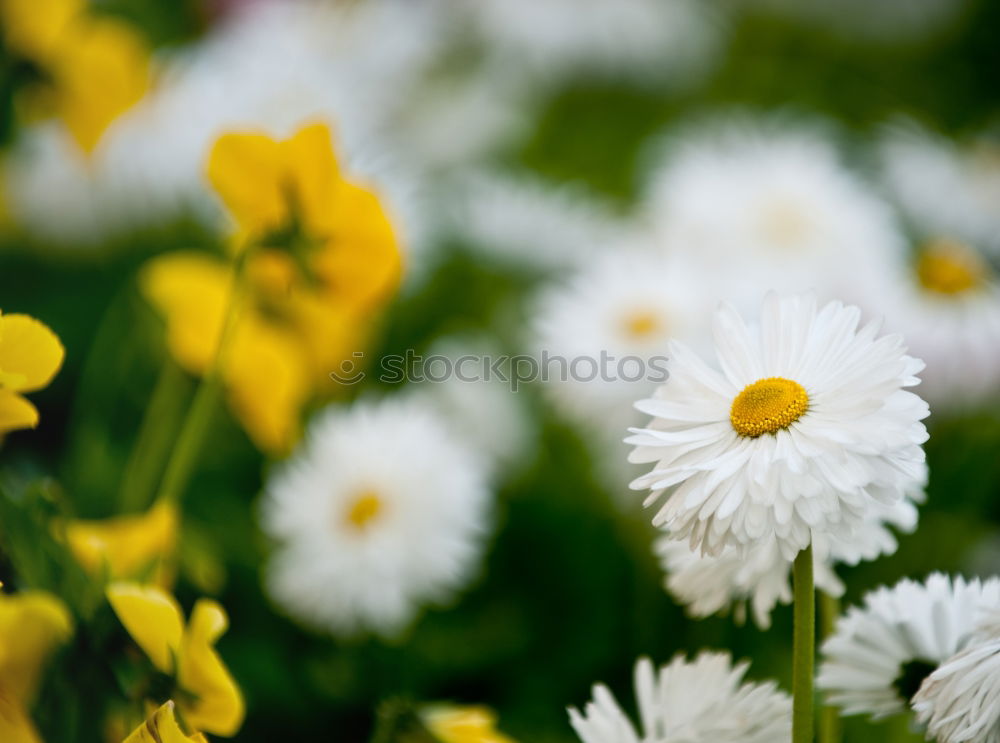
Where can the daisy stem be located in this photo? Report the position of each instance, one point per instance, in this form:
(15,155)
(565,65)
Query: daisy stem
(804,642)
(829,716)
(199,415)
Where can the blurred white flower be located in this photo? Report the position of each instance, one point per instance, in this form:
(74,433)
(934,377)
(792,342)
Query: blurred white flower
(523,219)
(381,510)
(761,577)
(944,189)
(808,424)
(704,699)
(766,205)
(880,653)
(960,701)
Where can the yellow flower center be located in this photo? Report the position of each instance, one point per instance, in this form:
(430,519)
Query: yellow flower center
(950,267)
(365,508)
(784,223)
(641,324)
(768,405)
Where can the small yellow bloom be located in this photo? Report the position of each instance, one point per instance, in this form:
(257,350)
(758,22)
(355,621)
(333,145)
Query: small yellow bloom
(30,355)
(126,546)
(95,67)
(459,724)
(162,727)
(209,698)
(32,625)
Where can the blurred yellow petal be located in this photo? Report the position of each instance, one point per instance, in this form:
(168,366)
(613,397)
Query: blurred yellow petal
(99,71)
(126,545)
(312,173)
(16,412)
(268,382)
(162,727)
(32,624)
(153,619)
(15,725)
(245,169)
(218,706)
(191,291)
(456,724)
(29,351)
(32,28)
(360,264)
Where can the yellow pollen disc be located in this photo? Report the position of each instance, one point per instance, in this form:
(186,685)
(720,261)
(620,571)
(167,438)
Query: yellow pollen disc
(364,510)
(642,324)
(950,267)
(784,223)
(768,405)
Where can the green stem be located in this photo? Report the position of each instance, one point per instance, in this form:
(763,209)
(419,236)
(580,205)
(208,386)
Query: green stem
(192,434)
(830,728)
(152,445)
(804,641)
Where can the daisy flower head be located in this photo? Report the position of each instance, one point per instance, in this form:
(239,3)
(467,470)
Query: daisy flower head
(880,653)
(705,699)
(380,511)
(760,578)
(960,701)
(768,204)
(807,425)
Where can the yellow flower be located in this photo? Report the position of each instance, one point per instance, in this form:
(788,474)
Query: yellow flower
(127,545)
(459,724)
(95,67)
(208,697)
(162,727)
(307,306)
(32,624)
(30,355)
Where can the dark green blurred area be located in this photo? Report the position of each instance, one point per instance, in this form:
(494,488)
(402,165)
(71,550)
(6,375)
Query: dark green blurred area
(570,593)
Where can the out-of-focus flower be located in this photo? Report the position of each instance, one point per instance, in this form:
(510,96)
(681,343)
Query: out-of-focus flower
(32,625)
(30,355)
(129,546)
(461,724)
(383,509)
(709,584)
(704,699)
(807,425)
(960,701)
(880,653)
(208,697)
(309,299)
(162,727)
(94,67)
(769,206)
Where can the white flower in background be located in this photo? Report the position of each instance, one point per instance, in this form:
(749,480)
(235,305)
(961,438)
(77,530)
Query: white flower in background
(943,188)
(381,510)
(766,205)
(625,305)
(806,427)
(669,42)
(483,410)
(760,578)
(272,67)
(880,653)
(526,220)
(947,305)
(705,699)
(960,701)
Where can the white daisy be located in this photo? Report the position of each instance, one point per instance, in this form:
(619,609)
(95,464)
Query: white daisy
(760,578)
(960,701)
(767,205)
(807,425)
(704,699)
(879,653)
(381,511)
(943,188)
